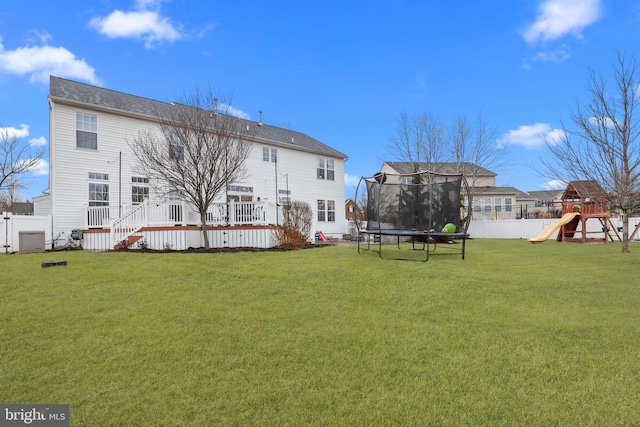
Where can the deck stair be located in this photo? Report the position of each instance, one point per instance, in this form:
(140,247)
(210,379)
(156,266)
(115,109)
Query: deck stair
(124,229)
(127,242)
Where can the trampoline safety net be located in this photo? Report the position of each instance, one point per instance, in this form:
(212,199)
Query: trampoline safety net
(420,201)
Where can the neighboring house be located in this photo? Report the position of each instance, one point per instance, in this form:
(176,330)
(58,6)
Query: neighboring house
(352,211)
(17,208)
(489,201)
(500,203)
(476,176)
(355,217)
(93,185)
(546,204)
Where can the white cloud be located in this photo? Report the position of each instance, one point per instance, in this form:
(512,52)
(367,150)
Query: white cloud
(144,23)
(557,56)
(39,62)
(554,184)
(42,168)
(23,132)
(38,142)
(148,4)
(235,112)
(351,180)
(38,37)
(557,18)
(532,136)
(11,132)
(607,122)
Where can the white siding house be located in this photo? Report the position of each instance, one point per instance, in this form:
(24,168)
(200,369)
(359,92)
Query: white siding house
(93,183)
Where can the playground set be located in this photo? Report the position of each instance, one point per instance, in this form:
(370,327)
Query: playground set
(428,209)
(582,201)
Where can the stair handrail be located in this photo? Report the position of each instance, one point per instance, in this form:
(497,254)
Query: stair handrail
(129,223)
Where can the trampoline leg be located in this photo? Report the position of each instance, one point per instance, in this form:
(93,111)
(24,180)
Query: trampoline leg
(464,241)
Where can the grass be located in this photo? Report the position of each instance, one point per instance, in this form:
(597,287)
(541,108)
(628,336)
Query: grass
(516,334)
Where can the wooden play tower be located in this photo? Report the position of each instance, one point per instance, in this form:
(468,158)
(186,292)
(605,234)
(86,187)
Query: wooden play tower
(586,199)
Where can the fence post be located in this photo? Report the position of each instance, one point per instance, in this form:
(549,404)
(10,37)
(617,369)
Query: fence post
(6,217)
(231,213)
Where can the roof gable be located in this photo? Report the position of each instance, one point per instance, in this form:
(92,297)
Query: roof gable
(583,190)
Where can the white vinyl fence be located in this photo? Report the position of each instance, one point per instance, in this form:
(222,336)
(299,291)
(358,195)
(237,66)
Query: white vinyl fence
(24,233)
(528,228)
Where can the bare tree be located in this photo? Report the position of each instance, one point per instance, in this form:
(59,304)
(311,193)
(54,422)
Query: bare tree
(603,144)
(17,158)
(10,194)
(474,144)
(199,150)
(417,139)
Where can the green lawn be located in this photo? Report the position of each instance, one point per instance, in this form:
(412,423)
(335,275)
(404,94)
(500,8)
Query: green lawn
(515,335)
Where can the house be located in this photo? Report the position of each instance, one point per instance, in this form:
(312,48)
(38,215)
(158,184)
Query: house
(546,204)
(489,201)
(93,186)
(17,208)
(352,211)
(355,216)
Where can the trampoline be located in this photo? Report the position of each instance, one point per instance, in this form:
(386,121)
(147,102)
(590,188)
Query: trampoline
(414,208)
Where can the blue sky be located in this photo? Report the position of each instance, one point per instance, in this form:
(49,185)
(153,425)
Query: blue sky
(339,71)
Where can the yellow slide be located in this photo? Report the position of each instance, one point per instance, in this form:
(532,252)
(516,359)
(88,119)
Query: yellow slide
(551,228)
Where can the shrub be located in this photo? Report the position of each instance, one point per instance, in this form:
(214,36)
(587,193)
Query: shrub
(296,225)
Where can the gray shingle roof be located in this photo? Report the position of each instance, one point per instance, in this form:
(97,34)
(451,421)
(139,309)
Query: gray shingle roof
(442,167)
(479,191)
(546,194)
(69,90)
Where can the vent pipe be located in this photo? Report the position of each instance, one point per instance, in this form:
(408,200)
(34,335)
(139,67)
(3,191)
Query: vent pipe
(260,122)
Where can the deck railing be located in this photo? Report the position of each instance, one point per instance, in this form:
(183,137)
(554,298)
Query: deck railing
(164,213)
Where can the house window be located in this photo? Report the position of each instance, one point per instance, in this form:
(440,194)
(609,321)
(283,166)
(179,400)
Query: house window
(240,188)
(269,154)
(331,210)
(86,131)
(487,204)
(325,169)
(405,182)
(99,176)
(497,202)
(508,202)
(139,189)
(320,168)
(321,210)
(98,194)
(477,204)
(327,210)
(176,148)
(284,197)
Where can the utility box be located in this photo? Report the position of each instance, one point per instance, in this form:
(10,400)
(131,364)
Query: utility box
(31,241)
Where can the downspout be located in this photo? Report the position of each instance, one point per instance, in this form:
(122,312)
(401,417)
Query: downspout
(51,195)
(277,204)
